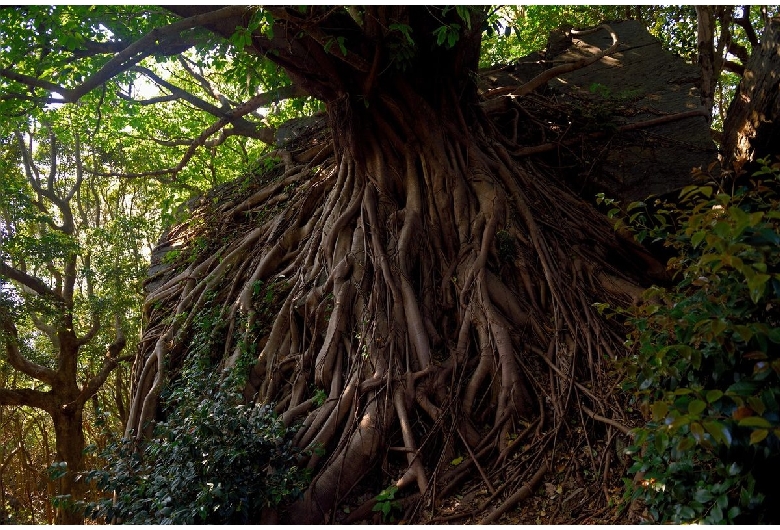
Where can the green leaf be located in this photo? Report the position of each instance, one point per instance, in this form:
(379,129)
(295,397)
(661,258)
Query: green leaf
(696,407)
(756,404)
(719,431)
(697,431)
(742,388)
(713,395)
(342,45)
(757,286)
(755,421)
(660,409)
(686,443)
(697,238)
(457,461)
(703,495)
(758,435)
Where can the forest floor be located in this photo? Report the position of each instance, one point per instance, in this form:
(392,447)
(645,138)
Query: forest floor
(569,493)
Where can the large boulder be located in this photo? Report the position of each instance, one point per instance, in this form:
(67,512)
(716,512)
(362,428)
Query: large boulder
(612,104)
(643,82)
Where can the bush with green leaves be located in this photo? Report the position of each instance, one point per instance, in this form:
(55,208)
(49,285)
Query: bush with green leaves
(706,357)
(214,460)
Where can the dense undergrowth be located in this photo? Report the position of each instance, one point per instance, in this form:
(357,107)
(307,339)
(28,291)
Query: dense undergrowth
(213,460)
(706,355)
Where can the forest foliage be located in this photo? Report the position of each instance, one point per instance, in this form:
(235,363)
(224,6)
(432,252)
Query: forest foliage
(125,151)
(704,368)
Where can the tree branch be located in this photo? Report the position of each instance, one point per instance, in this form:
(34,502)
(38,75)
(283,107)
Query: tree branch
(34,178)
(240,128)
(204,83)
(110,362)
(50,331)
(150,101)
(15,358)
(35,82)
(744,21)
(26,397)
(31,282)
(165,40)
(180,93)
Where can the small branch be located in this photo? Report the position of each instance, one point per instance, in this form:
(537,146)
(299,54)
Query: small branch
(15,358)
(110,362)
(180,93)
(476,463)
(150,101)
(204,83)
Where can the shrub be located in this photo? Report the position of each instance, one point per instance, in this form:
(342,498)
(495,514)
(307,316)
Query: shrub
(213,461)
(706,357)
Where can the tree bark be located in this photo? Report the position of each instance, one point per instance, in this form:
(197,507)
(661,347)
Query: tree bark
(69,443)
(752,127)
(705,41)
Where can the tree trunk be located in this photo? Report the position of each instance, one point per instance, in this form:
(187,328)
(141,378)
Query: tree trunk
(67,416)
(70,446)
(752,127)
(432,276)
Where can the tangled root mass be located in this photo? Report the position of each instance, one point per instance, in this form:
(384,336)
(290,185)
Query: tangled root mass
(435,299)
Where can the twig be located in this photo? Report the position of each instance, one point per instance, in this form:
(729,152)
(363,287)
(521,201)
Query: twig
(619,426)
(476,463)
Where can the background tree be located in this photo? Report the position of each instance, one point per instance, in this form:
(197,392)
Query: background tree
(417,268)
(51,303)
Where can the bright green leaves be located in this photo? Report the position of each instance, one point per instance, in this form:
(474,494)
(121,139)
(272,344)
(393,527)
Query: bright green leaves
(261,22)
(449,33)
(403,29)
(387,504)
(696,407)
(340,42)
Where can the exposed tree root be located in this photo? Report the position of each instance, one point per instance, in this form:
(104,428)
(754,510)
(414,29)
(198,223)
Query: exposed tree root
(434,286)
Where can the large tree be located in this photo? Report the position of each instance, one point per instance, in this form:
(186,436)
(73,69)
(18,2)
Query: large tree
(45,278)
(431,279)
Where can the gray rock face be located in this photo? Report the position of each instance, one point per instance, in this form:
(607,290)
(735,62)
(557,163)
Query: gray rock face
(640,82)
